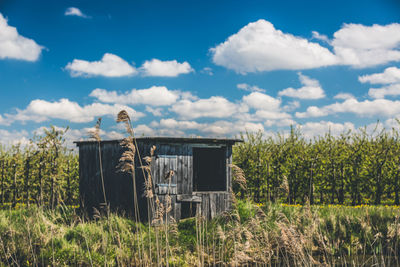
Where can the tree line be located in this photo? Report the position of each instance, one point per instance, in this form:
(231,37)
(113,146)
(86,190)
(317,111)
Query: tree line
(353,168)
(43,172)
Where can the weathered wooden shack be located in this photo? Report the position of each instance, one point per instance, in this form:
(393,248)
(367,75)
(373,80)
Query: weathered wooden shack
(201,181)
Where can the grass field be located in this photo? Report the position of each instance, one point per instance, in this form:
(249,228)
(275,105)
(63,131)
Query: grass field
(269,235)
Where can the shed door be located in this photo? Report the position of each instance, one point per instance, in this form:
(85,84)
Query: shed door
(162,166)
(209,169)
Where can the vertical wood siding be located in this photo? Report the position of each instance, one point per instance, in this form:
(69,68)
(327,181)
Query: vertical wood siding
(119,186)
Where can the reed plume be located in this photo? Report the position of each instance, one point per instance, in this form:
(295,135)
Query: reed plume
(95,134)
(127,164)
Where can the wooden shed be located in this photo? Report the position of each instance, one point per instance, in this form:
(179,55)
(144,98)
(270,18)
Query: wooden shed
(201,181)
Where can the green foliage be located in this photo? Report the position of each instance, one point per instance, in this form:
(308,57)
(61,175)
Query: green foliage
(352,168)
(246,210)
(43,172)
(187,233)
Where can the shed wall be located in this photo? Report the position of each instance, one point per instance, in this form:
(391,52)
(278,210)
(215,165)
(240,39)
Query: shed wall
(119,186)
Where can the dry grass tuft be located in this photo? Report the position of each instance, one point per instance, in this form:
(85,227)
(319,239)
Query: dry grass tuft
(95,133)
(239,176)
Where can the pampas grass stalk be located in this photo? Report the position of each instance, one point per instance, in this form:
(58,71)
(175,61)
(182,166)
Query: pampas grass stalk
(127,161)
(95,134)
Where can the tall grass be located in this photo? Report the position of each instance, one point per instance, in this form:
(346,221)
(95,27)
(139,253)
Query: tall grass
(249,234)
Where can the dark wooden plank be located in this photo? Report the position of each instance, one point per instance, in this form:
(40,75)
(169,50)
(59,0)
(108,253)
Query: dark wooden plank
(180,173)
(190,169)
(186,185)
(177,211)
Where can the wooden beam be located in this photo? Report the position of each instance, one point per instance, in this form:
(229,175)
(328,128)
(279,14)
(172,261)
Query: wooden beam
(188,198)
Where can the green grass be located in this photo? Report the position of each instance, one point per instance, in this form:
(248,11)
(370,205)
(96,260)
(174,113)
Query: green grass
(272,233)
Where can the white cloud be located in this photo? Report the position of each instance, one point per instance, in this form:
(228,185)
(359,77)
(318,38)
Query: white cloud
(261,101)
(377,107)
(15,46)
(172,68)
(266,107)
(143,129)
(390,90)
(321,37)
(249,88)
(271,115)
(311,89)
(260,47)
(312,111)
(109,66)
(390,75)
(158,112)
(224,128)
(343,96)
(14,137)
(363,46)
(215,107)
(218,128)
(41,110)
(280,123)
(154,96)
(182,125)
(73,11)
(3,121)
(313,129)
(292,105)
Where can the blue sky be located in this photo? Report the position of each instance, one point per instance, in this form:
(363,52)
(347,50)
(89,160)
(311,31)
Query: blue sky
(198,68)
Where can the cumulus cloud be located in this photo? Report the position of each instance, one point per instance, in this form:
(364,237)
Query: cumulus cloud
(182,125)
(389,75)
(311,89)
(143,129)
(390,90)
(313,129)
(249,88)
(3,121)
(225,128)
(321,37)
(214,107)
(172,68)
(364,46)
(292,105)
(377,107)
(41,110)
(260,47)
(265,106)
(74,11)
(109,66)
(257,100)
(218,128)
(280,123)
(158,112)
(343,96)
(14,137)
(15,46)
(153,96)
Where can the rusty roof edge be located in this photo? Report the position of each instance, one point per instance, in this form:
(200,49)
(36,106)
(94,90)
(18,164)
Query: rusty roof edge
(171,140)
